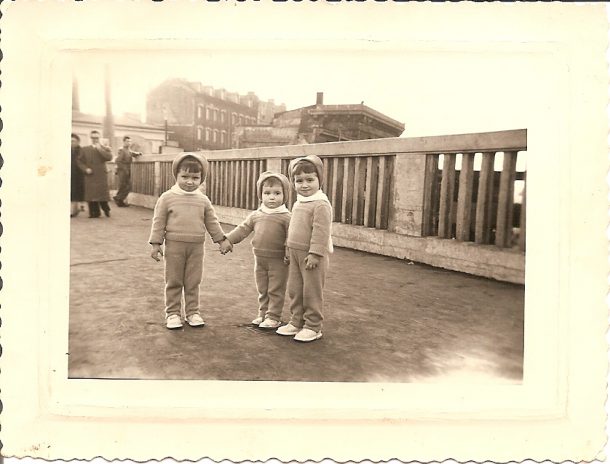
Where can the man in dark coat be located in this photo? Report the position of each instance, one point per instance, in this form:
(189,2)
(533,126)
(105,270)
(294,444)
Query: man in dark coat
(92,162)
(76,177)
(123,163)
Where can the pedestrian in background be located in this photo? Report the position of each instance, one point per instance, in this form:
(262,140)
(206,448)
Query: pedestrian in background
(76,177)
(123,163)
(92,162)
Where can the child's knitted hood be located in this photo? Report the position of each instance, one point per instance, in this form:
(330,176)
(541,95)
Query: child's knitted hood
(313,159)
(197,157)
(267,175)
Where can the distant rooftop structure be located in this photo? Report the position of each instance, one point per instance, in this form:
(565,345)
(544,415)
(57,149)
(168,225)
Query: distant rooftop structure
(320,123)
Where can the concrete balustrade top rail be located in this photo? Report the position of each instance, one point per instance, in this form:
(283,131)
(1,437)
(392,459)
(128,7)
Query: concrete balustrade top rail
(509,140)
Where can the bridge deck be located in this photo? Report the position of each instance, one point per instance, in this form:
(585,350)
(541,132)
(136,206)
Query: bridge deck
(385,319)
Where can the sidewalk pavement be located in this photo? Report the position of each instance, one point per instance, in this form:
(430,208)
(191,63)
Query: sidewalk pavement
(386,320)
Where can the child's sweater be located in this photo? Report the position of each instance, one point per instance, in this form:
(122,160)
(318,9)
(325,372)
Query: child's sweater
(184,218)
(270,232)
(310,227)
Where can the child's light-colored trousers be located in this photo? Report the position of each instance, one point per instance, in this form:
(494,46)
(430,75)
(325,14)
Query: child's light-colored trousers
(183,272)
(271,275)
(305,290)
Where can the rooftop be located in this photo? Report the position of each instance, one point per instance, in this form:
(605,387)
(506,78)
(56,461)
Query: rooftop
(127,120)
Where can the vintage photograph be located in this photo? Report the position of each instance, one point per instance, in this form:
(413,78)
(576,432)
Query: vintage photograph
(241,215)
(304,231)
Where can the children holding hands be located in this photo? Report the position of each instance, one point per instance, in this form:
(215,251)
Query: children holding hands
(182,216)
(290,250)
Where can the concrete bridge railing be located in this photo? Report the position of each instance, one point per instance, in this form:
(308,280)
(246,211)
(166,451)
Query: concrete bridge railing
(447,201)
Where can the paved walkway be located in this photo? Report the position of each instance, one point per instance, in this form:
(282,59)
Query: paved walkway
(386,320)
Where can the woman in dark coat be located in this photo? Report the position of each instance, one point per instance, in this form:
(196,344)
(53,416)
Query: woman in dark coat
(77,183)
(92,161)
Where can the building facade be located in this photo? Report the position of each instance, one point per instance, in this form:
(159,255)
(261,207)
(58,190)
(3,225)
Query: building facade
(267,111)
(199,116)
(320,123)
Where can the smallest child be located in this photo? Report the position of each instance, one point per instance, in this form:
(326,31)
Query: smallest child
(270,226)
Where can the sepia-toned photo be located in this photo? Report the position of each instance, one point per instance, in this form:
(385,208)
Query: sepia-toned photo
(407,266)
(304,231)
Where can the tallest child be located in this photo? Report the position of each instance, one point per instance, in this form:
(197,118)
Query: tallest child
(182,216)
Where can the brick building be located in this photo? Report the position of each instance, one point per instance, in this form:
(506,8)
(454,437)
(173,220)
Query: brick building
(200,116)
(319,123)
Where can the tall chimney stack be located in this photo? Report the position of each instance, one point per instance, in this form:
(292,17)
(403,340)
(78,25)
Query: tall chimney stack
(108,131)
(320,98)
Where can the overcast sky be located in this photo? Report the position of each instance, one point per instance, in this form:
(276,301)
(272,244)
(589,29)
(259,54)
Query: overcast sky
(432,93)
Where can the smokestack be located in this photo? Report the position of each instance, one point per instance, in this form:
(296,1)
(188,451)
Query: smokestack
(75,100)
(320,98)
(108,131)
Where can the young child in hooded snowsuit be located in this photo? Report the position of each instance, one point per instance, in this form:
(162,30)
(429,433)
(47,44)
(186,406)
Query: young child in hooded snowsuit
(270,226)
(309,245)
(182,216)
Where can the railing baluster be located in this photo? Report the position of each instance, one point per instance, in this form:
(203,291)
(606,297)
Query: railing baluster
(445,220)
(214,192)
(237,182)
(522,218)
(429,186)
(348,190)
(371,191)
(505,200)
(388,195)
(483,220)
(326,173)
(381,189)
(222,184)
(248,191)
(337,183)
(241,184)
(464,206)
(359,191)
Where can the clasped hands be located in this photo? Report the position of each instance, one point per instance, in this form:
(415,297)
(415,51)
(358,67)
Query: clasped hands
(225,246)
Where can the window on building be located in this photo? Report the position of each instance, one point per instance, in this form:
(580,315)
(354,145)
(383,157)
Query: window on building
(199,111)
(215,135)
(215,115)
(207,135)
(223,138)
(207,113)
(223,116)
(241,120)
(199,132)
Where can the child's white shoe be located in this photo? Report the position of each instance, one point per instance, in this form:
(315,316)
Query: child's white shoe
(307,335)
(257,321)
(195,320)
(270,324)
(287,329)
(173,322)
